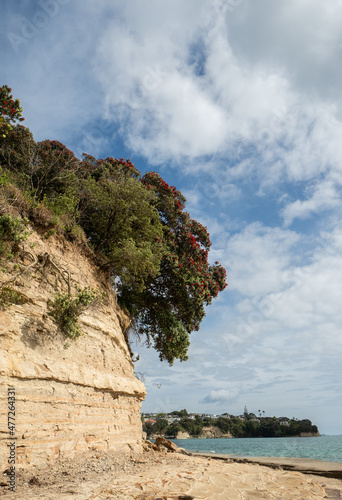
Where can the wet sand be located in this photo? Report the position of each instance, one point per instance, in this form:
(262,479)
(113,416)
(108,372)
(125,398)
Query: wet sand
(304,465)
(168,476)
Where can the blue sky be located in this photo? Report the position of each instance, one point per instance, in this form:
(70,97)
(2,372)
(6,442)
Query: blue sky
(237,103)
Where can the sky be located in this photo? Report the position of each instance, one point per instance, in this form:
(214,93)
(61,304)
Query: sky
(238,104)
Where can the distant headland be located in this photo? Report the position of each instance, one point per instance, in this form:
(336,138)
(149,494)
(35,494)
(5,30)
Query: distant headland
(183,425)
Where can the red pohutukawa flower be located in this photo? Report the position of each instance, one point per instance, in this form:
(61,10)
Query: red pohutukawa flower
(137,227)
(10,111)
(186,282)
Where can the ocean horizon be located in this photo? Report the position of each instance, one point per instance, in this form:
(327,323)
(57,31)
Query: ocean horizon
(326,448)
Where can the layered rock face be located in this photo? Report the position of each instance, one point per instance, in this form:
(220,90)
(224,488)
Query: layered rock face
(214,432)
(207,433)
(69,395)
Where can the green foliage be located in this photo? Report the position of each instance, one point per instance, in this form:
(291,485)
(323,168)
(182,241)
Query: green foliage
(4,179)
(137,227)
(66,310)
(56,173)
(265,427)
(118,216)
(49,233)
(236,427)
(164,331)
(148,428)
(44,169)
(172,429)
(161,425)
(12,229)
(18,154)
(180,413)
(172,304)
(223,424)
(191,426)
(10,111)
(8,296)
(46,172)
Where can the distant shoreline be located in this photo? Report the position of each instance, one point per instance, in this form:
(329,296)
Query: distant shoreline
(185,435)
(196,426)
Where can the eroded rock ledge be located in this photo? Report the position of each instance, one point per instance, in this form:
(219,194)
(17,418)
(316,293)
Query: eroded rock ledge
(70,395)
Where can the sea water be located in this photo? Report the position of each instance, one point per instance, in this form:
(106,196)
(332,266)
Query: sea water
(327,448)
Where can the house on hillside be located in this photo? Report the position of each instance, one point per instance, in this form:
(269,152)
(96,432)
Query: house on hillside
(283,421)
(253,418)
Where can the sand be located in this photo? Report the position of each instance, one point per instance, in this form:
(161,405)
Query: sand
(162,475)
(305,465)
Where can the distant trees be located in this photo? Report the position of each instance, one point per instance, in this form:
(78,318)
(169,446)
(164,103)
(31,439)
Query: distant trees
(173,429)
(180,413)
(237,427)
(223,424)
(161,424)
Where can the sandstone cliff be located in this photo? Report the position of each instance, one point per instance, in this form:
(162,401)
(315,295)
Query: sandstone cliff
(210,432)
(214,432)
(70,395)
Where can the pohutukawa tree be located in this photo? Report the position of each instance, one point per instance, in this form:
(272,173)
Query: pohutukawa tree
(172,304)
(137,227)
(10,110)
(118,215)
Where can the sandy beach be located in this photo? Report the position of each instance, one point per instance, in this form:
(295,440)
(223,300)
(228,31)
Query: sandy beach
(163,475)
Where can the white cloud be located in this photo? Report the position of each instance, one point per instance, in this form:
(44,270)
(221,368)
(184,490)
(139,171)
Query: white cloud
(257,257)
(170,112)
(220,396)
(301,38)
(325,196)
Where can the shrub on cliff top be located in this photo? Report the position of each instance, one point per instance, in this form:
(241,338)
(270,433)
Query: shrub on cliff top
(118,216)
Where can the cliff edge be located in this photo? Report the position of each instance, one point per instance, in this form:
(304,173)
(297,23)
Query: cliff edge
(70,395)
